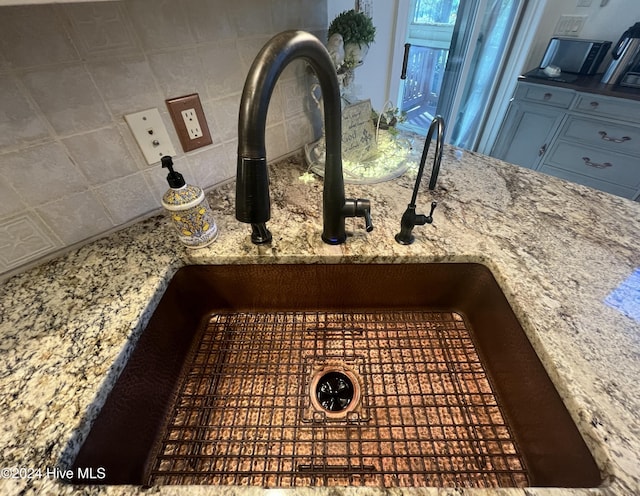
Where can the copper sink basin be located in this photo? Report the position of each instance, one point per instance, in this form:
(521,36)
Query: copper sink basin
(440,385)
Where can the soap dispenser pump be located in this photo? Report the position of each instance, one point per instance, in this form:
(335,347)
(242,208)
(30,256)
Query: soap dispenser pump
(189,210)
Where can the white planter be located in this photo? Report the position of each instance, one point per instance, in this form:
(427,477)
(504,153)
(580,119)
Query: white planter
(354,54)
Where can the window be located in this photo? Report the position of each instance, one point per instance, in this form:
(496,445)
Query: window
(435,12)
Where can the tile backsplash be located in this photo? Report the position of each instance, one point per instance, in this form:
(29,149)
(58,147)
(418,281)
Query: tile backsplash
(70,169)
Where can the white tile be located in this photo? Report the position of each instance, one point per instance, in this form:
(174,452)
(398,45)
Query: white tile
(76,217)
(248,48)
(102,155)
(178,72)
(127,198)
(226,116)
(286,14)
(314,14)
(209,109)
(42,173)
(275,112)
(297,69)
(34,35)
(276,142)
(68,98)
(209,20)
(222,67)
(126,84)
(101,29)
(211,166)
(298,132)
(160,23)
(19,122)
(297,96)
(249,17)
(23,238)
(11,202)
(4,65)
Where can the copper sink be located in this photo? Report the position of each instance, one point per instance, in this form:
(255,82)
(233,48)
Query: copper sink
(449,391)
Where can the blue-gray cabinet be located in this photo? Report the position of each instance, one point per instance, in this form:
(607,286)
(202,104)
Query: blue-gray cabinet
(587,138)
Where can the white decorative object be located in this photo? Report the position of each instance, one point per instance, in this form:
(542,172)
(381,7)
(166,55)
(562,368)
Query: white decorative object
(366,158)
(335,46)
(355,53)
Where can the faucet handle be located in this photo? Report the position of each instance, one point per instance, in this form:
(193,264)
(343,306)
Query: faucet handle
(429,218)
(363,209)
(367,221)
(359,208)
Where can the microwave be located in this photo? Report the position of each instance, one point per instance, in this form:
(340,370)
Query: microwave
(575,55)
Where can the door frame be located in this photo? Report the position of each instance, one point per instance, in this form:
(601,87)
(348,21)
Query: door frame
(516,58)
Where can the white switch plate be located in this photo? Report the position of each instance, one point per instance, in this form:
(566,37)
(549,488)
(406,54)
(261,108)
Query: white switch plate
(570,25)
(151,134)
(584,3)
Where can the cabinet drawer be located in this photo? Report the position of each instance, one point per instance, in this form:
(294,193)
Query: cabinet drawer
(589,181)
(615,137)
(617,108)
(603,165)
(549,95)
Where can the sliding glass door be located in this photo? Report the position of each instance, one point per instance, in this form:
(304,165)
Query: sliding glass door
(429,34)
(454,62)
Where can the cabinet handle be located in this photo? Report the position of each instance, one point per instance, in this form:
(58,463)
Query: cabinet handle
(594,105)
(547,96)
(542,150)
(604,136)
(596,165)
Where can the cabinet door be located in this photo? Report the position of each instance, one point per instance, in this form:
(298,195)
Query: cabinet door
(526,133)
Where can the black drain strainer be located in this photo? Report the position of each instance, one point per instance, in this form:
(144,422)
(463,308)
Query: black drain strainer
(334,391)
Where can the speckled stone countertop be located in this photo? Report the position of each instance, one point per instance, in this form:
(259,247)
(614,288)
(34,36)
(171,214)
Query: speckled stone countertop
(557,250)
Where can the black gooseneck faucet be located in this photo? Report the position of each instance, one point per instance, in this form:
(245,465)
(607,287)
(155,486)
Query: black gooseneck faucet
(253,204)
(410,219)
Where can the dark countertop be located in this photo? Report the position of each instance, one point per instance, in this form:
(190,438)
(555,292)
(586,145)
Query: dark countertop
(585,84)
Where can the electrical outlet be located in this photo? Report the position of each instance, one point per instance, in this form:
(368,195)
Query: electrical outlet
(584,3)
(151,134)
(189,120)
(193,124)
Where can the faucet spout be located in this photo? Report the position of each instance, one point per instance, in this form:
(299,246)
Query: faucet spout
(410,219)
(437,127)
(253,204)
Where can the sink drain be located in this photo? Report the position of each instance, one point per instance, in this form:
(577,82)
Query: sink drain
(335,392)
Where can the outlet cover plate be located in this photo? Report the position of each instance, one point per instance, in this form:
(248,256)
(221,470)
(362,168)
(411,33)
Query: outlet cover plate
(188,104)
(151,134)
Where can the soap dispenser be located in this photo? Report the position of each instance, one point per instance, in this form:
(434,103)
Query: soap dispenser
(189,209)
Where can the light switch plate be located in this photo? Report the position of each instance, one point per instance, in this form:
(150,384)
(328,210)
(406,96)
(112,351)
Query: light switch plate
(570,25)
(151,134)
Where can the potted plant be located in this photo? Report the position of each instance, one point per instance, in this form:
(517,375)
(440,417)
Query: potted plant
(357,31)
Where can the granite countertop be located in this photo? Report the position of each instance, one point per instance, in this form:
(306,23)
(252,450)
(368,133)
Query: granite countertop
(557,249)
